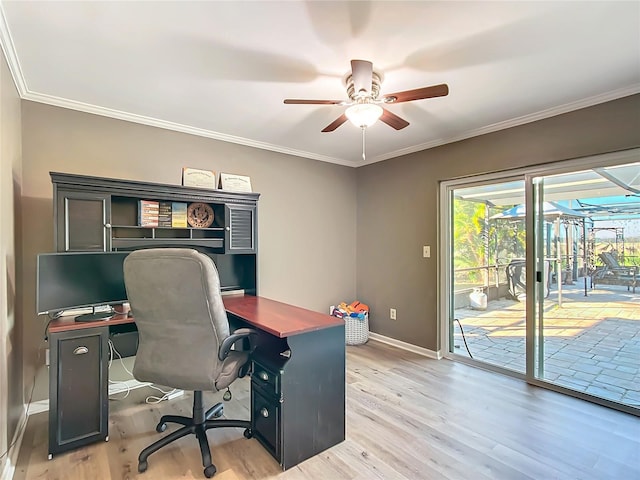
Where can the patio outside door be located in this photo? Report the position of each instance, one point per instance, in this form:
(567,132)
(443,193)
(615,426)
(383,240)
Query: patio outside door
(586,333)
(542,275)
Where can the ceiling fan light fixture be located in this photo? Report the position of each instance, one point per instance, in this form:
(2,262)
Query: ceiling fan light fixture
(364,115)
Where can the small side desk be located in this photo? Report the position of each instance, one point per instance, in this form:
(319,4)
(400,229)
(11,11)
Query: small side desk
(297,384)
(298,379)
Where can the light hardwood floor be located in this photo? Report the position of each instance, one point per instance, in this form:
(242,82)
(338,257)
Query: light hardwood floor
(408,417)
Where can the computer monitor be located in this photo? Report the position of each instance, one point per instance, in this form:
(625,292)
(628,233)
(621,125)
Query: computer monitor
(67,281)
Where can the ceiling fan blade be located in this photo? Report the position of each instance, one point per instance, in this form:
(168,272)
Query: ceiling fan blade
(335,124)
(361,74)
(417,94)
(294,101)
(393,120)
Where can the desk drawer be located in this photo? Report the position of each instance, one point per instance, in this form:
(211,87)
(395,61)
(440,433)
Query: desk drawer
(265,378)
(266,426)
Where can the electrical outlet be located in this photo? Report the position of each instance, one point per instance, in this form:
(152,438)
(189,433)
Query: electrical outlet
(392,313)
(426,251)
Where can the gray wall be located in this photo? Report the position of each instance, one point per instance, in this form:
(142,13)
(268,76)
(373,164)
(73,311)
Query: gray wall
(398,206)
(301,259)
(12,395)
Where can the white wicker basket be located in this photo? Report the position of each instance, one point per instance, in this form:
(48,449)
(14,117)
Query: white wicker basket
(356,330)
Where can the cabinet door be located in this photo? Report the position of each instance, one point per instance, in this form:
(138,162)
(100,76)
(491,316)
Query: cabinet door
(83,222)
(78,396)
(240,232)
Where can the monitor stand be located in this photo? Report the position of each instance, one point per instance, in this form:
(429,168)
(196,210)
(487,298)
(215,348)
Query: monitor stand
(94,316)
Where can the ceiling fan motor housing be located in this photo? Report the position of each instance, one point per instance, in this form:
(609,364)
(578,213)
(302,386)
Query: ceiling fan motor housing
(376,80)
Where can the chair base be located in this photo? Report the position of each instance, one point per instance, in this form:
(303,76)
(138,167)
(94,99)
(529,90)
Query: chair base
(197,425)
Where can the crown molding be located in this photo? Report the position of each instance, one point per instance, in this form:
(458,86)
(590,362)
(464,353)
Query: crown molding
(154,122)
(6,41)
(514,122)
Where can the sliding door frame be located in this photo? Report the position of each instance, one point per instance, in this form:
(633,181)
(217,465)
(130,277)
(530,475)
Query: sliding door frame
(445,295)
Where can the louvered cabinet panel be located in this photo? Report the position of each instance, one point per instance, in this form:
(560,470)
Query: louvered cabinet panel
(240,232)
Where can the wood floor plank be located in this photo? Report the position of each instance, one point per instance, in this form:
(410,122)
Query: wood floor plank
(408,418)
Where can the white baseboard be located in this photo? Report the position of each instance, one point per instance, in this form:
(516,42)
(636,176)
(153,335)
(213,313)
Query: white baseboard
(127,385)
(9,468)
(39,406)
(119,387)
(14,450)
(405,346)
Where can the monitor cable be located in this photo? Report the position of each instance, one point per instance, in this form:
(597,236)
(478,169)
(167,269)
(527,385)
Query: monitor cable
(151,399)
(113,351)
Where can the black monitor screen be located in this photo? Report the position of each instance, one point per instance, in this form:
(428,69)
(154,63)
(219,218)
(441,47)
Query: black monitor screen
(73,280)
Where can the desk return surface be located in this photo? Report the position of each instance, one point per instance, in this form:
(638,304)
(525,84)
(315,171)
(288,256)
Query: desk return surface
(298,377)
(297,381)
(277,318)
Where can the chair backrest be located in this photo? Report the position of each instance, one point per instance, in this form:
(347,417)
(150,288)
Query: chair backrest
(609,259)
(174,294)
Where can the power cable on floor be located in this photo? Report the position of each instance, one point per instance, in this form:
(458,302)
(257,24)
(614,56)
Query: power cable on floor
(463,337)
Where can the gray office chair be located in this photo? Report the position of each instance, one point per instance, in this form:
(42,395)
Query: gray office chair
(184,339)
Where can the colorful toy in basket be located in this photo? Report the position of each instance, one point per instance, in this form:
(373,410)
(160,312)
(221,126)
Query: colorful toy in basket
(355,309)
(356,321)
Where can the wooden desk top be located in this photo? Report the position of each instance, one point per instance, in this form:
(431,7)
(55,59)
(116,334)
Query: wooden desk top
(277,318)
(67,323)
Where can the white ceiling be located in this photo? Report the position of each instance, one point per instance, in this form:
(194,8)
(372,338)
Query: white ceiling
(221,69)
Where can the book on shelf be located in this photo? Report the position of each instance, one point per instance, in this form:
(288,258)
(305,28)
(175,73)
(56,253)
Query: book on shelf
(179,214)
(164,214)
(148,213)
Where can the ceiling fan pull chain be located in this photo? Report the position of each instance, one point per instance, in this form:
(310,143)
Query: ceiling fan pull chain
(363,153)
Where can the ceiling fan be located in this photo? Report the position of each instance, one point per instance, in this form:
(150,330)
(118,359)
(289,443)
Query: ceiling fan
(363,89)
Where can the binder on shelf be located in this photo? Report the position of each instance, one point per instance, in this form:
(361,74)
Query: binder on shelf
(164,214)
(179,214)
(148,213)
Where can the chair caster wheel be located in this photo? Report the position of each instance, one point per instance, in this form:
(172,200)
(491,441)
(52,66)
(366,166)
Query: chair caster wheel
(248,433)
(210,471)
(142,467)
(161,427)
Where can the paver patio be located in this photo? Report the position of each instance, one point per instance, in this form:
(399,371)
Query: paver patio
(591,344)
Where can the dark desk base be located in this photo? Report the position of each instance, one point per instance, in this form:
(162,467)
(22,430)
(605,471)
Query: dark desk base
(297,384)
(298,403)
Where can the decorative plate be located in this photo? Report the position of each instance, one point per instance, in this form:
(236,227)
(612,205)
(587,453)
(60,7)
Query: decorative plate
(200,215)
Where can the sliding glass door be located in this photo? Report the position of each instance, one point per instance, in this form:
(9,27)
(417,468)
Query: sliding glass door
(542,277)
(588,332)
(488,246)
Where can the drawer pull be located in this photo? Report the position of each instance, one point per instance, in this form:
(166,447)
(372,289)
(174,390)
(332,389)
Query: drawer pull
(264,412)
(80,351)
(263,376)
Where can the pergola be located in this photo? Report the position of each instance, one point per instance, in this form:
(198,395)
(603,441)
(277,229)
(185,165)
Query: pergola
(556,215)
(603,194)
